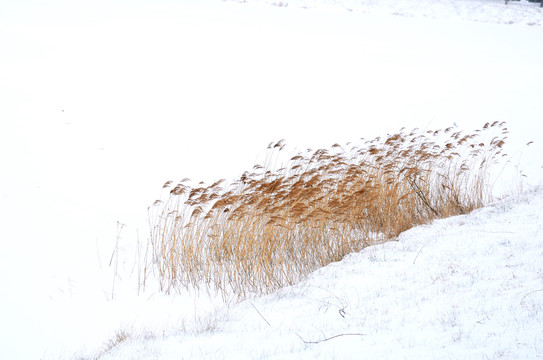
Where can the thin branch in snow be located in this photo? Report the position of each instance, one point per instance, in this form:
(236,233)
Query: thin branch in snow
(263,318)
(530,293)
(329,338)
(422,247)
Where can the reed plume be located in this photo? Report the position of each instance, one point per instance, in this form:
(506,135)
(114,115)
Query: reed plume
(272,227)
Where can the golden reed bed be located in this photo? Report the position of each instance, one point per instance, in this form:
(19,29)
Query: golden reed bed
(273,226)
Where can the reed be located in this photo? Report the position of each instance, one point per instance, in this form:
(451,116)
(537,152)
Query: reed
(273,226)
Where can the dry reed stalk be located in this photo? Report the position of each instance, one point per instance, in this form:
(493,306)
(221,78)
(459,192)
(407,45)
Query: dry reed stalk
(275,225)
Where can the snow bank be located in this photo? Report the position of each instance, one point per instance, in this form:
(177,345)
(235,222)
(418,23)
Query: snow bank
(103,102)
(493,11)
(464,287)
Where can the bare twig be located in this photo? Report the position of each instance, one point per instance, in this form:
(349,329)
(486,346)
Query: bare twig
(530,293)
(115,255)
(120,227)
(420,194)
(422,247)
(263,318)
(329,338)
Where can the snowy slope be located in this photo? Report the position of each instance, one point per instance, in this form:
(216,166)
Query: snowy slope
(468,287)
(102,102)
(516,12)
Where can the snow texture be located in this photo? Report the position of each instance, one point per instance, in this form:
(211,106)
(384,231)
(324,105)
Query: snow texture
(465,287)
(521,12)
(102,102)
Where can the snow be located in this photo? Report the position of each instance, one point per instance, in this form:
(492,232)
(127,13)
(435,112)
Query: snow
(521,12)
(470,286)
(102,102)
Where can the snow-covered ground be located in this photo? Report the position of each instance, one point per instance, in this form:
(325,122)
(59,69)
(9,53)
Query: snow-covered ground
(492,11)
(101,102)
(468,287)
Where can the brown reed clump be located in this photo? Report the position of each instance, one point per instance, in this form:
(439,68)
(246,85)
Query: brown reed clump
(272,227)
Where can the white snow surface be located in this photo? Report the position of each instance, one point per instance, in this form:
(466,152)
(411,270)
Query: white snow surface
(465,287)
(101,102)
(521,12)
